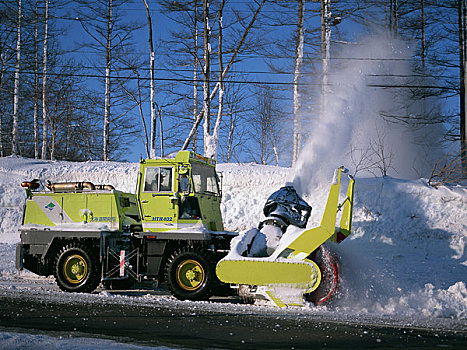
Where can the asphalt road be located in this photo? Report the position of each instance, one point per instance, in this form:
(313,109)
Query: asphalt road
(148,320)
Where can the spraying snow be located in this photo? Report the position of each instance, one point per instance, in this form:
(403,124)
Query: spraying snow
(366,127)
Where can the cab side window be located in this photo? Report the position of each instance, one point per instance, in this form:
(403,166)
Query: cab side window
(158,179)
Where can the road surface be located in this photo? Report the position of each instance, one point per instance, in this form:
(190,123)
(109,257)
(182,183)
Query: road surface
(154,318)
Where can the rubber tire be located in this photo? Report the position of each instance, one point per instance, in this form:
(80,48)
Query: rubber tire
(92,276)
(206,287)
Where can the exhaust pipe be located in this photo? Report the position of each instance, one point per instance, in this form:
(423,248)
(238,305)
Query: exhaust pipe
(77,186)
(70,186)
(104,187)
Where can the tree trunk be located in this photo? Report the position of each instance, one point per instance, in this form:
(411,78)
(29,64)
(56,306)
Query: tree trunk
(463,78)
(325,53)
(52,143)
(423,40)
(151,150)
(2,73)
(152,147)
(274,146)
(297,128)
(159,113)
(206,77)
(195,74)
(36,85)
(230,137)
(395,17)
(106,139)
(14,132)
(213,140)
(44,83)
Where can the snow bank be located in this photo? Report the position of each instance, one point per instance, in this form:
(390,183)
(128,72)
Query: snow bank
(406,255)
(407,252)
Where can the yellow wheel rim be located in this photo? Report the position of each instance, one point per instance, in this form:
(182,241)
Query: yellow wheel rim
(75,269)
(190,275)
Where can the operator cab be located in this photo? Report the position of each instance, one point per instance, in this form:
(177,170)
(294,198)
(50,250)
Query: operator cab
(180,193)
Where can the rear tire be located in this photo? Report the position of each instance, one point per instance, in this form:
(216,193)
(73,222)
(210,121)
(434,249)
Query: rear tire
(190,274)
(77,268)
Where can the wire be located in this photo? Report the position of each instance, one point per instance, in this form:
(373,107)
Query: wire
(317,59)
(239,81)
(180,70)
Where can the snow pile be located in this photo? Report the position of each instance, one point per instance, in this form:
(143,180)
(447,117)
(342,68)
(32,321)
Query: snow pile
(246,188)
(406,256)
(407,252)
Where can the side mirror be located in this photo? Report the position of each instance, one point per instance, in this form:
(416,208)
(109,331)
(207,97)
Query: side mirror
(184,183)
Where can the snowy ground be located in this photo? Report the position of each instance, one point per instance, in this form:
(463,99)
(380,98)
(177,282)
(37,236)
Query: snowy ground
(406,257)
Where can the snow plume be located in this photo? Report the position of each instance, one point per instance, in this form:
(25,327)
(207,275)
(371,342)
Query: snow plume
(363,122)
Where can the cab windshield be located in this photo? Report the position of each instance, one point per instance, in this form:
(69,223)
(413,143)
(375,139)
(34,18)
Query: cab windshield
(204,179)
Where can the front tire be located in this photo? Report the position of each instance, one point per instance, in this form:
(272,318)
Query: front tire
(77,268)
(190,275)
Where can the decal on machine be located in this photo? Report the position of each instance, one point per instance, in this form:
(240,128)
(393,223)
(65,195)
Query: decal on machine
(50,206)
(104,219)
(162,218)
(52,209)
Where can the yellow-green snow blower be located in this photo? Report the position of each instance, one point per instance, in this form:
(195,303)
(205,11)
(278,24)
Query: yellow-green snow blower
(287,267)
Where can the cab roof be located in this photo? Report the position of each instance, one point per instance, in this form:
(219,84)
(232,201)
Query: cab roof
(180,157)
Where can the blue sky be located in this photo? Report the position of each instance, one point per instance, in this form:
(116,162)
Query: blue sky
(161,27)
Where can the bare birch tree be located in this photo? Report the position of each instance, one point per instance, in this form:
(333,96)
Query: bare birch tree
(7,54)
(462,20)
(44,82)
(14,132)
(206,75)
(195,71)
(152,147)
(36,83)
(108,38)
(297,127)
(212,141)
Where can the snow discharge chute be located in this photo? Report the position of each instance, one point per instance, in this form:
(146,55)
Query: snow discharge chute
(268,263)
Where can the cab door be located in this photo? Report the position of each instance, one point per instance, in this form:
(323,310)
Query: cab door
(157,206)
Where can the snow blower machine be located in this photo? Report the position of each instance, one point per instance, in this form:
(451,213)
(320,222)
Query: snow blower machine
(287,267)
(171,231)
